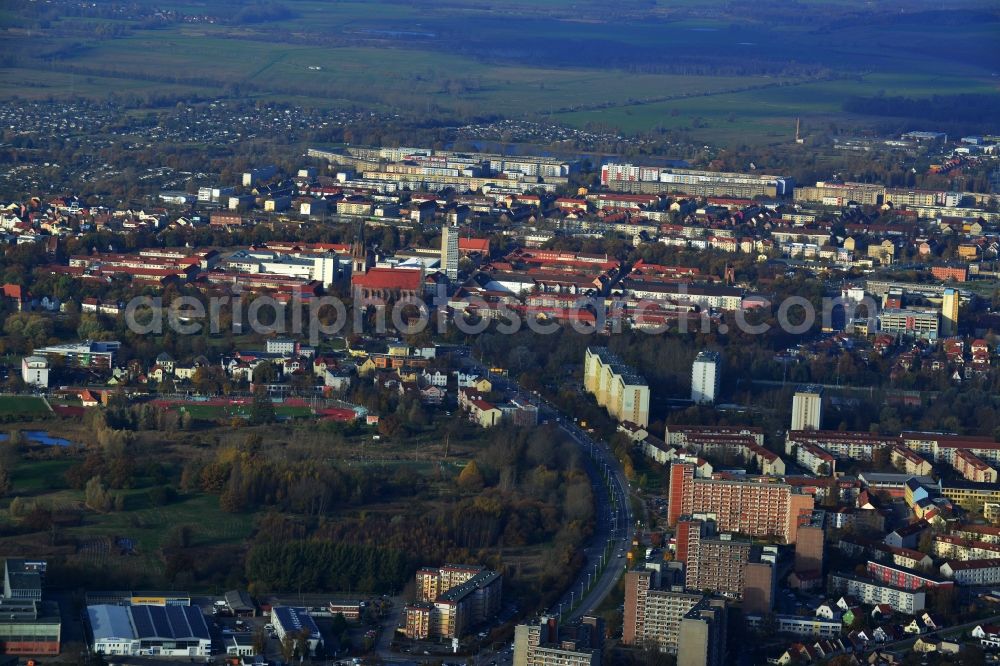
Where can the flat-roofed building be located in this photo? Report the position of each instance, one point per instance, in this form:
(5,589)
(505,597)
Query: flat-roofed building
(840,194)
(706,374)
(702,636)
(807,408)
(798,625)
(545,643)
(652,616)
(29,627)
(909,322)
(616,386)
(35,371)
(88,355)
(754,506)
(22,579)
(451,600)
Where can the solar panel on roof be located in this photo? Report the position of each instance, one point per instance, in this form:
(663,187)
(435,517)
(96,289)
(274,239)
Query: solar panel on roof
(175,621)
(161,624)
(197,623)
(143,621)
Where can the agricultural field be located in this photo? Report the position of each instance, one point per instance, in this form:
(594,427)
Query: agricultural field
(713,69)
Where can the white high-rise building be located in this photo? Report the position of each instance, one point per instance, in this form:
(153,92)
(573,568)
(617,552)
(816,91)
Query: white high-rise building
(807,408)
(949,312)
(705,375)
(449,251)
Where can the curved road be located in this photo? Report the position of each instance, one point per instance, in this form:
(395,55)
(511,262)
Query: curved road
(613,519)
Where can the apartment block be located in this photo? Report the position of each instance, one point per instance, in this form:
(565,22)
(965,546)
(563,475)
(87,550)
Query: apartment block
(949,312)
(815,459)
(693,182)
(807,408)
(800,626)
(431,582)
(840,194)
(726,565)
(973,468)
(617,388)
(702,637)
(449,251)
(706,373)
(941,447)
(451,600)
(905,578)
(871,592)
(908,461)
(972,572)
(758,506)
(545,643)
(809,546)
(725,443)
(653,616)
(715,563)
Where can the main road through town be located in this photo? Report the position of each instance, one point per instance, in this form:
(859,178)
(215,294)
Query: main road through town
(605,552)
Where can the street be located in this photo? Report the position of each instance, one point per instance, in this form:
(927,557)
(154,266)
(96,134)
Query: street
(613,520)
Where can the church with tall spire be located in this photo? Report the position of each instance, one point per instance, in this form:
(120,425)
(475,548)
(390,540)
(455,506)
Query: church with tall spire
(362,256)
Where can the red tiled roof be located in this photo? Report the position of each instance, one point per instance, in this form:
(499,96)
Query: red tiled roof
(389,278)
(957,565)
(474,244)
(13,291)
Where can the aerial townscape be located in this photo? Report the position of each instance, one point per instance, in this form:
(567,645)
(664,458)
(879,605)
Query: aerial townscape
(563,333)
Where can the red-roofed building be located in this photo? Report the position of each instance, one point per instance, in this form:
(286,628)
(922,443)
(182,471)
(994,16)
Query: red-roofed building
(972,572)
(470,245)
(379,285)
(16,294)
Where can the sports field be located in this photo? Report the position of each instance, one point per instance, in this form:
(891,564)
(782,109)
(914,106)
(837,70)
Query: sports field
(22,407)
(221,409)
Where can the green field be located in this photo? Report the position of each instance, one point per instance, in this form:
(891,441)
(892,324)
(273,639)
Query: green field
(728,71)
(147,525)
(770,113)
(39,477)
(22,406)
(218,412)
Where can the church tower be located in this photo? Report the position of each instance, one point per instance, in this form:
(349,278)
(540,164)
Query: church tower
(362,257)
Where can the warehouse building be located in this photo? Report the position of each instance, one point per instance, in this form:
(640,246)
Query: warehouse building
(144,630)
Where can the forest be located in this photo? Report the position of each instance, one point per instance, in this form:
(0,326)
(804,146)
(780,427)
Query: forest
(975,113)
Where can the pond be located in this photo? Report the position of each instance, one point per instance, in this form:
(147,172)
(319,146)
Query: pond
(40,437)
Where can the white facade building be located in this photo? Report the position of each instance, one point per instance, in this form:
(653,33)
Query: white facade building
(807,408)
(146,630)
(706,373)
(449,251)
(35,371)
